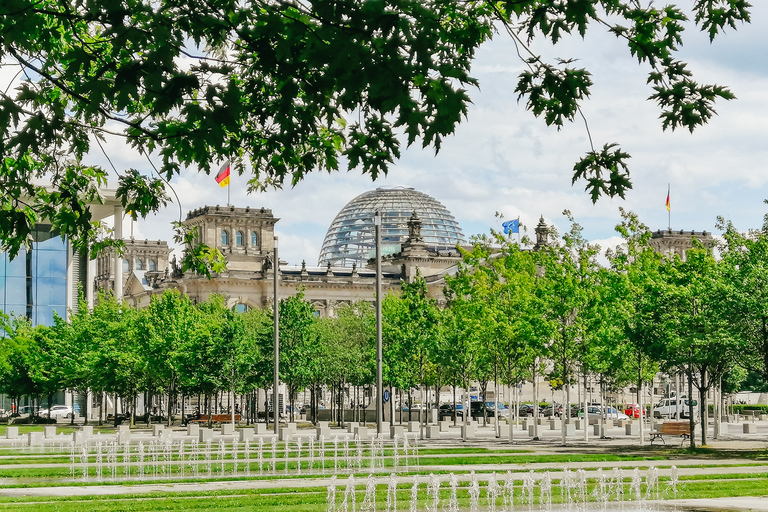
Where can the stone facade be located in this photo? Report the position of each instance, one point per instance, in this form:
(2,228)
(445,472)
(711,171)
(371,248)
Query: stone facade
(672,243)
(246,238)
(142,256)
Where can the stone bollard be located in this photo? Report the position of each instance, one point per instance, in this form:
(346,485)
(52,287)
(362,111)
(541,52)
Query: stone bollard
(322,432)
(597,430)
(261,428)
(580,424)
(631,428)
(284,434)
(351,427)
(227,429)
(35,439)
(433,431)
(361,433)
(123,436)
(445,425)
(49,431)
(570,429)
(193,429)
(749,428)
(531,430)
(504,431)
(246,434)
(205,434)
(157,429)
(468,431)
(12,433)
(397,431)
(554,424)
(123,428)
(87,431)
(413,426)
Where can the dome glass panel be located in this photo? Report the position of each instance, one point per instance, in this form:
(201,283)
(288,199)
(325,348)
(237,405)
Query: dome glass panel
(351,237)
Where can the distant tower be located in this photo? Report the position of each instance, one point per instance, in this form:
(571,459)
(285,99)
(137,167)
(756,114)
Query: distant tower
(542,233)
(671,243)
(246,236)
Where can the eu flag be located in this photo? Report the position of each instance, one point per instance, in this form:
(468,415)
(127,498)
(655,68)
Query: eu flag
(511,226)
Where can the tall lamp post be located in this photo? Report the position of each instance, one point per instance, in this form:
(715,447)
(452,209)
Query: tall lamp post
(379,350)
(276,316)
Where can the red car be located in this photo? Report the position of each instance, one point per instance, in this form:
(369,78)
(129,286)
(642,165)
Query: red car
(633,410)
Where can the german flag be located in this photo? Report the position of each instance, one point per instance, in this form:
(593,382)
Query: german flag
(223,177)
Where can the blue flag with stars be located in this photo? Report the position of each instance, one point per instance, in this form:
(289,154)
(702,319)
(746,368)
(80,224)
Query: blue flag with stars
(511,226)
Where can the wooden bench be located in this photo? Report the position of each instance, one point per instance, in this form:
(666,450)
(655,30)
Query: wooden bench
(672,428)
(215,418)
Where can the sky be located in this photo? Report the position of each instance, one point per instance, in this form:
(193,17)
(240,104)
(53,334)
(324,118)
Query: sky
(502,159)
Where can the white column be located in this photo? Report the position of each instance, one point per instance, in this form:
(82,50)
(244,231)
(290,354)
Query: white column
(118,259)
(71,286)
(90,281)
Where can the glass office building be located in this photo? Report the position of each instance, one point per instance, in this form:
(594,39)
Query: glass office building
(351,236)
(34,283)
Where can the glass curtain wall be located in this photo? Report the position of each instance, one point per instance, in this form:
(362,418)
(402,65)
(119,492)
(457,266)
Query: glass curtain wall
(34,283)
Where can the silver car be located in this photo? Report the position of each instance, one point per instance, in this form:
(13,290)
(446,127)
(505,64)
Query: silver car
(57,411)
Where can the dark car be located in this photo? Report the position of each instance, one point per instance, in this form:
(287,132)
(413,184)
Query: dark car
(446,411)
(551,410)
(526,409)
(480,409)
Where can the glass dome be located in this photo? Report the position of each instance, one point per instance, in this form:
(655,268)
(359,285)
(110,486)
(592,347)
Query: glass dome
(352,239)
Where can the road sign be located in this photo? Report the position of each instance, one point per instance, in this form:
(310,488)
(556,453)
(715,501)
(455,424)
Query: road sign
(385,395)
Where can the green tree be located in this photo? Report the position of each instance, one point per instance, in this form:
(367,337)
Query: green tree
(163,329)
(745,272)
(296,344)
(695,337)
(294,87)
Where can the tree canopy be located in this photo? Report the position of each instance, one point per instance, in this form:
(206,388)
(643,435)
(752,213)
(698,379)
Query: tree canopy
(284,88)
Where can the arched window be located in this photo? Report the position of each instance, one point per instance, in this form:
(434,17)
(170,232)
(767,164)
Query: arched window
(239,238)
(126,265)
(224,237)
(152,265)
(254,239)
(240,308)
(139,264)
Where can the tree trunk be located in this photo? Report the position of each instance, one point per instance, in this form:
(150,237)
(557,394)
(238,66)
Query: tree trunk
(691,423)
(703,412)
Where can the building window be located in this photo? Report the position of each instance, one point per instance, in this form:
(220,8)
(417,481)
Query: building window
(152,265)
(139,264)
(239,238)
(240,308)
(126,266)
(254,239)
(224,237)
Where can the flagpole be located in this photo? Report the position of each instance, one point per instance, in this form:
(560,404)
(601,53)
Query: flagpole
(669,209)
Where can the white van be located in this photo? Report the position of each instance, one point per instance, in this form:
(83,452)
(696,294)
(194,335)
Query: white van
(675,408)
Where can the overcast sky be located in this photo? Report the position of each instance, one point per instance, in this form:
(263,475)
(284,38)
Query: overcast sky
(503,159)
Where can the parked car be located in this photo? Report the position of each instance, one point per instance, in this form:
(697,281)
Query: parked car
(633,410)
(551,410)
(497,408)
(479,409)
(446,411)
(611,413)
(57,411)
(674,408)
(526,410)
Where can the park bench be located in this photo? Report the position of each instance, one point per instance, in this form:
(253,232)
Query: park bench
(672,428)
(215,418)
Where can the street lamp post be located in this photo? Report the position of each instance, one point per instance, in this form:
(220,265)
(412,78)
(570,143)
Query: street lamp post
(276,316)
(379,350)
